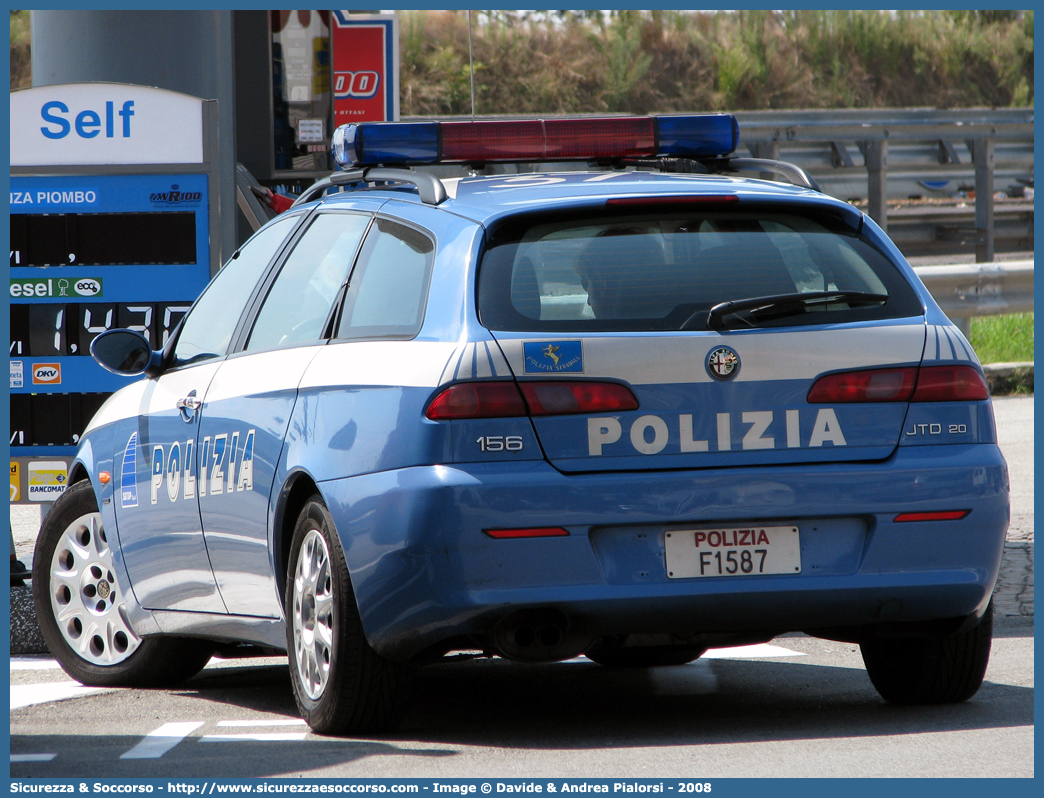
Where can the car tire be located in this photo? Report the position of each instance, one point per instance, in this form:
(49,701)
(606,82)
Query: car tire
(930,670)
(614,656)
(341,685)
(82,610)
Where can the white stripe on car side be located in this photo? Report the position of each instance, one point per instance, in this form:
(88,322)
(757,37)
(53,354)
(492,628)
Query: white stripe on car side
(424,364)
(675,359)
(411,364)
(125,403)
(260,373)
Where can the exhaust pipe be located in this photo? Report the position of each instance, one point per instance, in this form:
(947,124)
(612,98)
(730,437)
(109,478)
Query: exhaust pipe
(542,635)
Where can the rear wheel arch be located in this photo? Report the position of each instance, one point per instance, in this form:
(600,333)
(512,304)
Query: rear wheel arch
(299,488)
(341,685)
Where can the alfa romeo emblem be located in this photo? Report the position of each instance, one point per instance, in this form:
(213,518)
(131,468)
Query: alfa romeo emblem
(103,589)
(723,363)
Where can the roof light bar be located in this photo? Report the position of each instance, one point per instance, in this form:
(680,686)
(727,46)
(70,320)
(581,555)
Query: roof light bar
(403,143)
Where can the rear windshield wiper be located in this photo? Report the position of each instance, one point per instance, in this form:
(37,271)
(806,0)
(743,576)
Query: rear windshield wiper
(763,308)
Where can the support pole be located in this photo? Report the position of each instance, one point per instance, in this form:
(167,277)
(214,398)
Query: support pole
(982,153)
(877,181)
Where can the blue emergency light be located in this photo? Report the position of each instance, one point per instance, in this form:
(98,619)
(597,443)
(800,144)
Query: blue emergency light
(566,139)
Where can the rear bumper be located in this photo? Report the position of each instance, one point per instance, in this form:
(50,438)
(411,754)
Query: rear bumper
(424,572)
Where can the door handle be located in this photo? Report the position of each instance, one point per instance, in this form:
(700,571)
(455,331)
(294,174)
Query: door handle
(188,405)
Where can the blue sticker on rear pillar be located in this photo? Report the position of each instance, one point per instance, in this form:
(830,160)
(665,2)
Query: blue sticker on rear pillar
(553,357)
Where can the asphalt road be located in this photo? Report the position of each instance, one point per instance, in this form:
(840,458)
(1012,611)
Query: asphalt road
(799,708)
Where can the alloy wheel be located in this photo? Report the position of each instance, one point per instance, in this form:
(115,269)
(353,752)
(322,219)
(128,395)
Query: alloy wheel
(86,599)
(313,614)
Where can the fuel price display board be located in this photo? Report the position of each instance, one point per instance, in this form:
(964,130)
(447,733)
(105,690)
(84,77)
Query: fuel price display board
(110,240)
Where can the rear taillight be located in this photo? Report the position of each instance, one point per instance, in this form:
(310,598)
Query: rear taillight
(950,384)
(567,398)
(880,385)
(501,399)
(477,400)
(928,384)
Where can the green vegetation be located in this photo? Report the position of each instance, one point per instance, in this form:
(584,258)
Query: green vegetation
(682,61)
(530,62)
(21,75)
(1003,339)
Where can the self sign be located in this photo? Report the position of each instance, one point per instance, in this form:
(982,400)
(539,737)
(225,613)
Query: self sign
(87,124)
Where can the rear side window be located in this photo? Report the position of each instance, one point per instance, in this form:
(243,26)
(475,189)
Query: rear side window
(389,285)
(665,272)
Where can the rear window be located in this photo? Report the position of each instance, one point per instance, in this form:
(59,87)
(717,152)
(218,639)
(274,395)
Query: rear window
(666,271)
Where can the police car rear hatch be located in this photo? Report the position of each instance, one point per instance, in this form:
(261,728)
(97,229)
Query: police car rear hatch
(814,360)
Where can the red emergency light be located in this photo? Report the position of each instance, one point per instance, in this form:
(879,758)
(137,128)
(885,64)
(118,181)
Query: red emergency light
(565,139)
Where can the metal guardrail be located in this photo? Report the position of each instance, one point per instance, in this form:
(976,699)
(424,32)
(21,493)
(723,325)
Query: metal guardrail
(975,144)
(980,289)
(925,228)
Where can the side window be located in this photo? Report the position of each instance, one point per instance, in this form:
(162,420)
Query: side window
(207,330)
(299,301)
(389,285)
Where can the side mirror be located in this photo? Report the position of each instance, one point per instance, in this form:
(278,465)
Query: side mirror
(125,352)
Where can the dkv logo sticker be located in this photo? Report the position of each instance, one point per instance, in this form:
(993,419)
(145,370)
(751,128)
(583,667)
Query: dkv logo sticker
(47,374)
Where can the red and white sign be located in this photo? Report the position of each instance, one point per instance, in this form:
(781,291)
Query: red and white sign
(365,67)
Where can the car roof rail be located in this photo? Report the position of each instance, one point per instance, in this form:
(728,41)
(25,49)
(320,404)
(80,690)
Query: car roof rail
(432,191)
(723,165)
(792,172)
(429,187)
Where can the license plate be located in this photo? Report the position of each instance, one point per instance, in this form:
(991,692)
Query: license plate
(733,551)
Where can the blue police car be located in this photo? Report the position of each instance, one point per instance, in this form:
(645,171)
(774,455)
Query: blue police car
(630,413)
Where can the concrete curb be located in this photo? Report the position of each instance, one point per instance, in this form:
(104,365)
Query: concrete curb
(1008,378)
(1014,593)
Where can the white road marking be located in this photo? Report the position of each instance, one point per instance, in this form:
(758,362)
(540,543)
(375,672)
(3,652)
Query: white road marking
(157,743)
(750,652)
(244,724)
(33,664)
(24,695)
(762,650)
(32,757)
(258,738)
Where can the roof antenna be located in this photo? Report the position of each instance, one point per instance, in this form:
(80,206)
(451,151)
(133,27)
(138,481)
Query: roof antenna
(471,67)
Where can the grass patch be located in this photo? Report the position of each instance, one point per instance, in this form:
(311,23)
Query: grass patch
(1003,339)
(676,61)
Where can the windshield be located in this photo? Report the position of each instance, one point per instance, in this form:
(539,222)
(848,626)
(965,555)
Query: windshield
(666,271)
